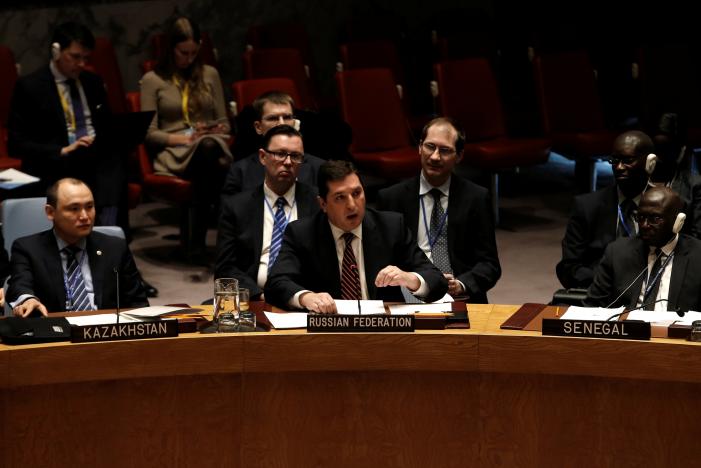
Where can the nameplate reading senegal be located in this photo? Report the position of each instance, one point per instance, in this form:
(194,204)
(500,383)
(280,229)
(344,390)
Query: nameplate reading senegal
(381,323)
(633,330)
(124,331)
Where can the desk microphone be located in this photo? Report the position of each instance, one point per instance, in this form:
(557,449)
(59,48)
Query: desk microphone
(641,307)
(116,279)
(632,282)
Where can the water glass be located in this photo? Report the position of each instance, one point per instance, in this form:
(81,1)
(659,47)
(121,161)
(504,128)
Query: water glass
(247,318)
(226,308)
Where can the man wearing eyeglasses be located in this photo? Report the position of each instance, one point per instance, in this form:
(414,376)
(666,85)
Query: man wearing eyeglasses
(272,109)
(659,269)
(252,222)
(600,217)
(449,216)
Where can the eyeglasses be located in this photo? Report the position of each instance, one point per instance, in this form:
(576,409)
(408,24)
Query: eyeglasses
(443,152)
(281,156)
(276,118)
(626,161)
(652,220)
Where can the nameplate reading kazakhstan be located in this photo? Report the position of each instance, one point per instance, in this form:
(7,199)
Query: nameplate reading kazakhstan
(632,330)
(124,331)
(359,323)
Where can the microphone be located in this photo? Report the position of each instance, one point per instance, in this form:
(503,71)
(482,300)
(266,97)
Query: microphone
(632,283)
(641,307)
(116,278)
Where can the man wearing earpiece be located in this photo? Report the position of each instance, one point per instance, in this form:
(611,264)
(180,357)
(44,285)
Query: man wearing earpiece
(659,269)
(600,217)
(57,121)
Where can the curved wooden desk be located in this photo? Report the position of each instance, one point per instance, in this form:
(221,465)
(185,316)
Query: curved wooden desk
(478,397)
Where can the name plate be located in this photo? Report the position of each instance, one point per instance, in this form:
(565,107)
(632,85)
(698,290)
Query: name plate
(124,331)
(632,330)
(380,323)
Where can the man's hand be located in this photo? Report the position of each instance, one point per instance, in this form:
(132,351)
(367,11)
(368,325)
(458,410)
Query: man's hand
(393,276)
(26,308)
(321,303)
(454,286)
(82,142)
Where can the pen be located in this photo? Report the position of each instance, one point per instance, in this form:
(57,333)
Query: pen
(557,312)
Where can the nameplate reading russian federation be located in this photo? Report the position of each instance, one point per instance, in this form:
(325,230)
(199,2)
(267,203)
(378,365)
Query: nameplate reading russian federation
(632,330)
(380,323)
(124,331)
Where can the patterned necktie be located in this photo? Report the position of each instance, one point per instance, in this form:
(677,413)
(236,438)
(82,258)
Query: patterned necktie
(278,230)
(438,238)
(655,275)
(81,129)
(76,293)
(350,277)
(627,207)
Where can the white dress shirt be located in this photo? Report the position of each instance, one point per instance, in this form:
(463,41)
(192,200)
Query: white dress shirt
(269,209)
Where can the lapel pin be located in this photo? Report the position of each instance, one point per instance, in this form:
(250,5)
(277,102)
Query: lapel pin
(99,252)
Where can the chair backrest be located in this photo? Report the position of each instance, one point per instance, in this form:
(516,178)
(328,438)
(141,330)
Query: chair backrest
(8,71)
(467,91)
(372,54)
(287,34)
(23,217)
(114,231)
(567,92)
(104,62)
(280,63)
(245,92)
(370,104)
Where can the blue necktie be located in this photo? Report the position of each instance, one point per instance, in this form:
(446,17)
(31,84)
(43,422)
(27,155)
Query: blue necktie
(81,129)
(278,230)
(76,293)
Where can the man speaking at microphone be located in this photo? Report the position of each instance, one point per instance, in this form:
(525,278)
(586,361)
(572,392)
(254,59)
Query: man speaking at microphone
(70,267)
(660,269)
(349,252)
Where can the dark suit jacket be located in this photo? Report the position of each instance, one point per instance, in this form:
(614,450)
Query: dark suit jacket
(240,237)
(36,270)
(471,243)
(37,132)
(248,173)
(591,227)
(308,260)
(623,261)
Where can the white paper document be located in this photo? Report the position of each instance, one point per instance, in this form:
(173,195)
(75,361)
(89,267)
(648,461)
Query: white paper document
(346,307)
(100,319)
(668,317)
(287,320)
(151,312)
(12,178)
(406,309)
(590,313)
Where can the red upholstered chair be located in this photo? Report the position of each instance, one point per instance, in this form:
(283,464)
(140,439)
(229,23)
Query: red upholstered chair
(372,54)
(103,61)
(290,35)
(281,63)
(571,111)
(370,104)
(467,91)
(8,71)
(244,92)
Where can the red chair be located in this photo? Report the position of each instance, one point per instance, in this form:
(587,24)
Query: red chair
(467,91)
(571,111)
(290,35)
(8,71)
(372,54)
(244,92)
(277,63)
(370,104)
(103,61)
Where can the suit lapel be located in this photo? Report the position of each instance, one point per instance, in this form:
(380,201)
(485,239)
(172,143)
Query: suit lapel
(97,269)
(305,203)
(52,94)
(679,265)
(610,226)
(640,261)
(54,268)
(329,263)
(454,199)
(257,218)
(411,207)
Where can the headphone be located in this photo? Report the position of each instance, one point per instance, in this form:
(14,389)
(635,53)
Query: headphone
(679,223)
(55,51)
(650,163)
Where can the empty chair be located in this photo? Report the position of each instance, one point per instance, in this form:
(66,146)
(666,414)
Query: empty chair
(381,139)
(571,111)
(467,91)
(103,61)
(291,35)
(8,71)
(372,54)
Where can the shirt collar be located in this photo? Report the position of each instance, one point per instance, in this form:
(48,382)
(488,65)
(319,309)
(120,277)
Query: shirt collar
(63,244)
(338,232)
(58,76)
(669,247)
(425,186)
(272,197)
(637,198)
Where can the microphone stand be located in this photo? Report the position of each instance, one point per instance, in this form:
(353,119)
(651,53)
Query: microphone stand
(642,306)
(116,277)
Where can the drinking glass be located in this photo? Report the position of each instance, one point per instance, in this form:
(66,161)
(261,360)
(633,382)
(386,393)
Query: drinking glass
(247,318)
(226,313)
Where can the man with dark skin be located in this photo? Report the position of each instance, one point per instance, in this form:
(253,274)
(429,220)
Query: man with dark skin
(600,217)
(659,269)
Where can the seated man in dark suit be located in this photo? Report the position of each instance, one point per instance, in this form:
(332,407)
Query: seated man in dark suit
(348,252)
(457,233)
(659,269)
(272,109)
(600,217)
(252,222)
(70,267)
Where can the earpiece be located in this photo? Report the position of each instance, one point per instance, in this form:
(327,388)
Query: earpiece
(297,124)
(650,163)
(55,51)
(679,223)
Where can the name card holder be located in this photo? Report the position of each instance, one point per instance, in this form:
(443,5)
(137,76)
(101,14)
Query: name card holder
(379,323)
(124,331)
(627,330)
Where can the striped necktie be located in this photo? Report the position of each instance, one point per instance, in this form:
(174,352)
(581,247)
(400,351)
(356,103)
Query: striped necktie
(76,293)
(350,277)
(278,230)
